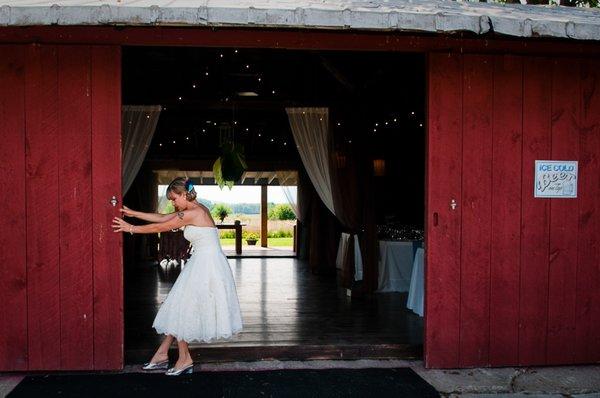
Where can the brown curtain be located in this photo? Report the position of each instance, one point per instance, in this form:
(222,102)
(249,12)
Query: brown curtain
(351,182)
(303,217)
(318,229)
(141,196)
(323,233)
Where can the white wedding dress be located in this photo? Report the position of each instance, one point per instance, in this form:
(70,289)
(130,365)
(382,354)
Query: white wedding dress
(202,305)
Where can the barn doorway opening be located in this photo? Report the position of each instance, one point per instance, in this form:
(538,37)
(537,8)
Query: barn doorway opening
(319,302)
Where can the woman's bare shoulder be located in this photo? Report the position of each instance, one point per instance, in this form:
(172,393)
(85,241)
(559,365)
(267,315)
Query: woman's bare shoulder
(204,216)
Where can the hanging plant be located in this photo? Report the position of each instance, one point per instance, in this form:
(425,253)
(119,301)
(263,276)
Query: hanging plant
(230,166)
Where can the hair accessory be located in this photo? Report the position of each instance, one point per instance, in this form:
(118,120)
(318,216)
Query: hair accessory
(189,185)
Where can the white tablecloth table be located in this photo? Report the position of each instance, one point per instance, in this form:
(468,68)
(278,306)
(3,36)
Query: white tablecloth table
(416,291)
(395,265)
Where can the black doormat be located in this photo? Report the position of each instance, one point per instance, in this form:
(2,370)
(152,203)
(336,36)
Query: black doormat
(372,382)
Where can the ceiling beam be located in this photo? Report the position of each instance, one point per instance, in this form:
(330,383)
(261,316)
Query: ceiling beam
(206,164)
(272,177)
(292,39)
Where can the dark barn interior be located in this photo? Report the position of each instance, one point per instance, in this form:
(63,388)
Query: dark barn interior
(292,307)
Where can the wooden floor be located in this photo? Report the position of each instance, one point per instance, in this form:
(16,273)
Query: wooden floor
(288,313)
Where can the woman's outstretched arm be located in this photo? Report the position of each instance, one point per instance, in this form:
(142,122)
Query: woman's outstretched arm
(151,217)
(178,220)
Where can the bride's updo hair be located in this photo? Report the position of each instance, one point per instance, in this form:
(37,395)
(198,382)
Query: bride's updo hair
(182,185)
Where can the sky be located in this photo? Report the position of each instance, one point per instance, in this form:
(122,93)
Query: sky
(238,194)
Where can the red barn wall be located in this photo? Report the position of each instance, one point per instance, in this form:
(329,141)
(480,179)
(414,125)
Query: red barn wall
(61,282)
(511,279)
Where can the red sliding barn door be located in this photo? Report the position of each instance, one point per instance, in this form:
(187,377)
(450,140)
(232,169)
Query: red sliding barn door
(511,279)
(61,285)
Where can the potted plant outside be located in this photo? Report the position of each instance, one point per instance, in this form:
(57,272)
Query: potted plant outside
(221,211)
(251,239)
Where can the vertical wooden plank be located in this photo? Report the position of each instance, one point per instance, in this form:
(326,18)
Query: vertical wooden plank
(238,236)
(442,274)
(43,312)
(594,346)
(594,115)
(13,235)
(75,195)
(476,210)
(563,215)
(506,210)
(106,182)
(587,338)
(533,315)
(264,218)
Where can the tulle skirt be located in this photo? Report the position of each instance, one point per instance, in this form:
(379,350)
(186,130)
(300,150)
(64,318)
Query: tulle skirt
(202,305)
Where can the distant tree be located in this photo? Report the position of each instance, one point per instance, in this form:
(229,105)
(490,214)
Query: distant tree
(246,208)
(281,212)
(566,3)
(206,202)
(221,211)
(169,208)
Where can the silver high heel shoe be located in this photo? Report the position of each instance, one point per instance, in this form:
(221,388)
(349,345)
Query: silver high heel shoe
(156,366)
(176,372)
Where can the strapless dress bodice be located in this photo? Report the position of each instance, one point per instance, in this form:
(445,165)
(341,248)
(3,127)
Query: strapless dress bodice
(202,237)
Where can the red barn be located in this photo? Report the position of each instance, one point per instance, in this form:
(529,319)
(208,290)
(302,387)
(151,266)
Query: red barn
(512,277)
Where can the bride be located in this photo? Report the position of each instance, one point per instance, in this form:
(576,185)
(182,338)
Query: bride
(202,304)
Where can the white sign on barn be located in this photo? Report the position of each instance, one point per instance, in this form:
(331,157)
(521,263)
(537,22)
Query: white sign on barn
(555,179)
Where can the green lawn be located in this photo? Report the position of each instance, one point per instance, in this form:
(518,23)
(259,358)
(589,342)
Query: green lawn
(271,242)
